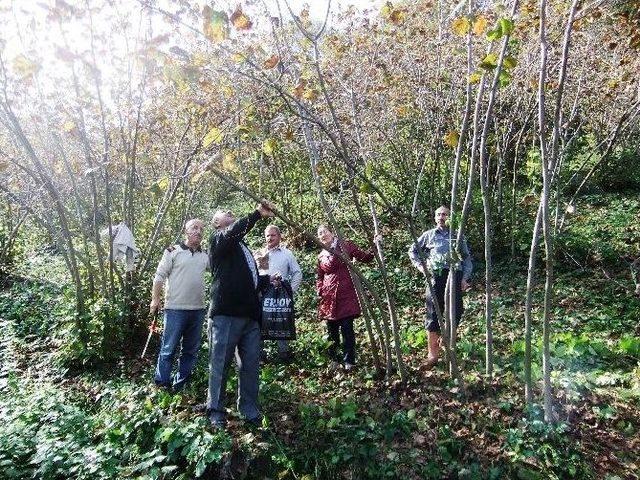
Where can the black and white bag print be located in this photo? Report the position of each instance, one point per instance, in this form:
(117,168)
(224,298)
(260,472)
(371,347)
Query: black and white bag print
(278,321)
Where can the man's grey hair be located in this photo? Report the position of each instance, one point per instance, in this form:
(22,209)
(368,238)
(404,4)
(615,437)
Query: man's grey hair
(273,227)
(215,220)
(443,207)
(191,222)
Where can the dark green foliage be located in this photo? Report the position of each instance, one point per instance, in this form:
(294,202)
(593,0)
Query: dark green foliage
(622,173)
(544,451)
(603,231)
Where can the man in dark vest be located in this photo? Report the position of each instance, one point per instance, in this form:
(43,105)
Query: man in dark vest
(234,314)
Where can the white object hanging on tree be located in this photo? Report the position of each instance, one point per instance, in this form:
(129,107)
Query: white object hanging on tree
(124,245)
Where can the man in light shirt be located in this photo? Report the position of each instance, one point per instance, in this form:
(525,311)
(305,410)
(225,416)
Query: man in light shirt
(436,248)
(181,270)
(281,261)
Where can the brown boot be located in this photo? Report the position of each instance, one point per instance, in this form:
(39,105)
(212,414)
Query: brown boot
(434,349)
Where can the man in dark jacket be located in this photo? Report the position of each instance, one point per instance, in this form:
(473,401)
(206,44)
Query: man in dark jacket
(234,314)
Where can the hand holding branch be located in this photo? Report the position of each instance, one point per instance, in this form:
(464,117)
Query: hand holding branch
(265,208)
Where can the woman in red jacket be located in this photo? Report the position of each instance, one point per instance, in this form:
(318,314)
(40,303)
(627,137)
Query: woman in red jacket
(338,298)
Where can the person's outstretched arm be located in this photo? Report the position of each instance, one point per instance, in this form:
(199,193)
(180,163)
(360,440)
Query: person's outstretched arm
(356,252)
(224,238)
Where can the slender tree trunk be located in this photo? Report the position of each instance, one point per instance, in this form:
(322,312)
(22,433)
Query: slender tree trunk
(528,380)
(393,311)
(544,206)
(486,203)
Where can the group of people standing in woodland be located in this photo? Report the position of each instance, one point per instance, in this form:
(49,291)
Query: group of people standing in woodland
(238,276)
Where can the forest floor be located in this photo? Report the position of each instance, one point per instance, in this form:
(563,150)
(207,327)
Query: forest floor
(322,422)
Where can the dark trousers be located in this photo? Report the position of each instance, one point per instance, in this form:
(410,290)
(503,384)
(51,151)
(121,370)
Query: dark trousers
(440,285)
(344,325)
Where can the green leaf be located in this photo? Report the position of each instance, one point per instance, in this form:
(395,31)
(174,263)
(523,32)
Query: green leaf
(506,26)
(509,62)
(365,187)
(489,62)
(166,434)
(368,170)
(200,468)
(454,221)
(502,28)
(504,79)
(494,34)
(630,345)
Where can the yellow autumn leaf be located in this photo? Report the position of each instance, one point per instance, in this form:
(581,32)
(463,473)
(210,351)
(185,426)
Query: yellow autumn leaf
(310,94)
(227,90)
(215,24)
(68,126)
(214,135)
(397,16)
(240,20)
(451,139)
(239,57)
(24,66)
(229,160)
(269,146)
(461,26)
(163,183)
(480,25)
(199,60)
(271,62)
(386,10)
(475,77)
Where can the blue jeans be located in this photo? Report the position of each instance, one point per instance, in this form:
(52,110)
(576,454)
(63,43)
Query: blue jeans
(180,327)
(226,334)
